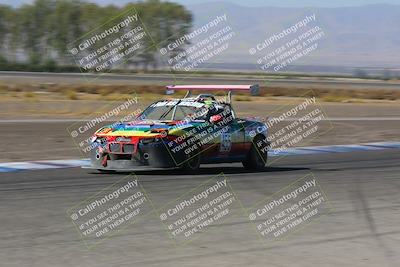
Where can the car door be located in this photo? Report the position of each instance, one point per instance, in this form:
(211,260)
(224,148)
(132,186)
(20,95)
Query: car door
(232,139)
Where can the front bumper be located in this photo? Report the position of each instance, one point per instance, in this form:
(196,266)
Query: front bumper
(147,157)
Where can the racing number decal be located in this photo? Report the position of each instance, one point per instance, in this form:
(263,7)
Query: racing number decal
(226,142)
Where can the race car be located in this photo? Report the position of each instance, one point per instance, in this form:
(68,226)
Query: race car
(183,133)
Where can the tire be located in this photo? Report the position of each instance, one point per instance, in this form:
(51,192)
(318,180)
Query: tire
(255,159)
(192,164)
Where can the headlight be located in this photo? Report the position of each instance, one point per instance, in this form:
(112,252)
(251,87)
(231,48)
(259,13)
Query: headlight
(100,140)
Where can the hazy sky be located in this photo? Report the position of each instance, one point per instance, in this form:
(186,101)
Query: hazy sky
(282,3)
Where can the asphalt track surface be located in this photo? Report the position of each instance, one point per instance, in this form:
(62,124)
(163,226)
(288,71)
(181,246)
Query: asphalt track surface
(361,230)
(163,79)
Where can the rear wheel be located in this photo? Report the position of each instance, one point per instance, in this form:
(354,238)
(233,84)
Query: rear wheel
(256,159)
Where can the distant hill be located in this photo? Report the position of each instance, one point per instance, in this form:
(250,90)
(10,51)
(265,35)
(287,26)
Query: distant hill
(365,36)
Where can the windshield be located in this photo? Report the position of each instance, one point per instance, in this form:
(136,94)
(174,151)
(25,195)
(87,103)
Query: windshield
(175,110)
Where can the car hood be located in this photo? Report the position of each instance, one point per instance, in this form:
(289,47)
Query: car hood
(146,128)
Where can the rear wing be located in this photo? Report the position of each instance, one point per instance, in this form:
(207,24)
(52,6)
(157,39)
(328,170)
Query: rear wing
(253,89)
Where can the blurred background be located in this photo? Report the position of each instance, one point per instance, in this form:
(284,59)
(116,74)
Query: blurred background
(362,37)
(46,94)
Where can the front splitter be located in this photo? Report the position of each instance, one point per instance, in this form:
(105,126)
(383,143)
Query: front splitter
(138,168)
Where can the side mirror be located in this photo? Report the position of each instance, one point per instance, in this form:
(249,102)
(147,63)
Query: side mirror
(215,118)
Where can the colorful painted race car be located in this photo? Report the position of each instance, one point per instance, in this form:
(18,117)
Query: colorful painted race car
(183,133)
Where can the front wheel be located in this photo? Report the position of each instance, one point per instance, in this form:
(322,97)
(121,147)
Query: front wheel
(192,162)
(256,158)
